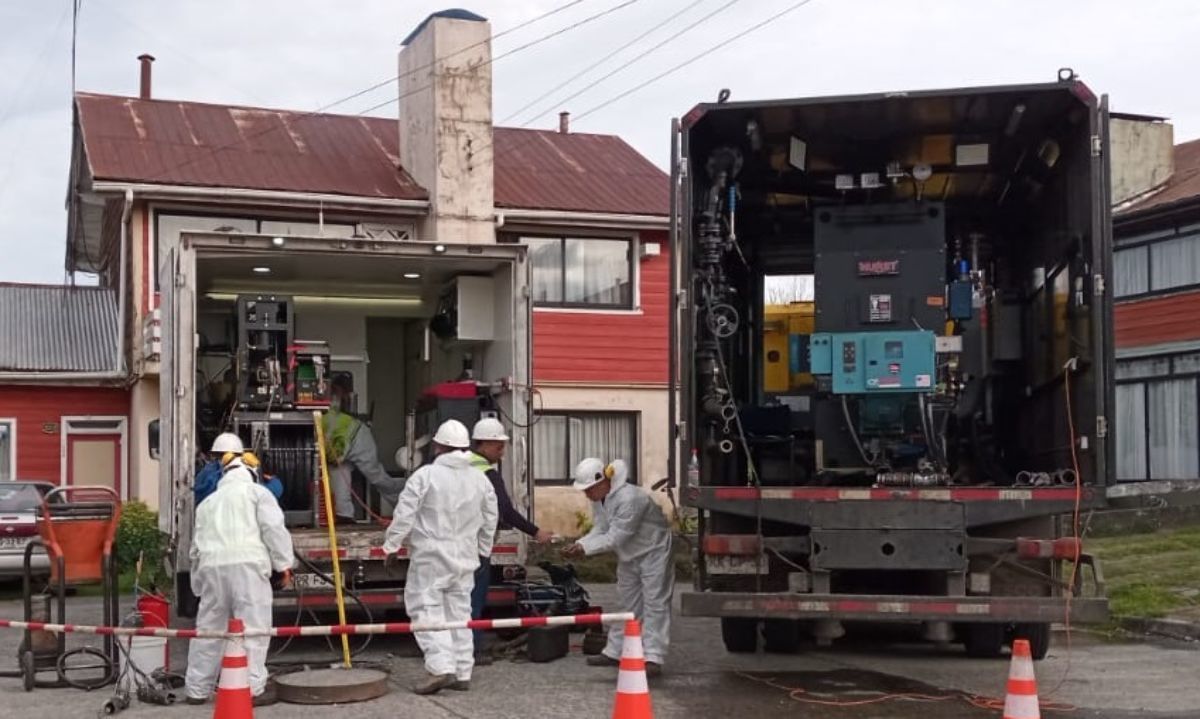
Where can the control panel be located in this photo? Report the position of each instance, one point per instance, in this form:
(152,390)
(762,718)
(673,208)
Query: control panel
(870,362)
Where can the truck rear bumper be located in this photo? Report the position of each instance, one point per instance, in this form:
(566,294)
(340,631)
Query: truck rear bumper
(883,608)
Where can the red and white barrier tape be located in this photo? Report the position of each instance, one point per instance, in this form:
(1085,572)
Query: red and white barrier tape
(323,630)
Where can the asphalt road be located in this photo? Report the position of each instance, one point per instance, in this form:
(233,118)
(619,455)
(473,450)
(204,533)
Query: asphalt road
(862,677)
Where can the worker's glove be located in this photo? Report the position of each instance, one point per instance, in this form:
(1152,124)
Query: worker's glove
(391,563)
(281,580)
(572,551)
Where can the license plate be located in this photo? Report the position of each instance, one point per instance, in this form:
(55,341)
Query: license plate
(13,542)
(310,581)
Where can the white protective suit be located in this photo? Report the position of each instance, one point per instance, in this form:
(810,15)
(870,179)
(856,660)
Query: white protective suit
(240,538)
(629,523)
(446,516)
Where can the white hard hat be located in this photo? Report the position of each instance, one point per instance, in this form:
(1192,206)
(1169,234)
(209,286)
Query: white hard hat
(589,473)
(452,433)
(228,442)
(489,428)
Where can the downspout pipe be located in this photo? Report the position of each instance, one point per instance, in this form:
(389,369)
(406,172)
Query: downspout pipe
(122,282)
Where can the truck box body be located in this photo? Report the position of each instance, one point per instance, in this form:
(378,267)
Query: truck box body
(377,298)
(952,399)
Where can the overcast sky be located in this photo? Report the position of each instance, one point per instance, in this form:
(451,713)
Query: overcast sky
(303,54)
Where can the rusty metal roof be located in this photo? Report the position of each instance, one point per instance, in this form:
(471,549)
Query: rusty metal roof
(1184,184)
(57,328)
(187,143)
(190,143)
(543,170)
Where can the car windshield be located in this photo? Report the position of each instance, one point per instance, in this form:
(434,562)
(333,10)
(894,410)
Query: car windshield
(19,498)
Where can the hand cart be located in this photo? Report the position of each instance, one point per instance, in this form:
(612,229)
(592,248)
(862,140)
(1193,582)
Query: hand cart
(77,527)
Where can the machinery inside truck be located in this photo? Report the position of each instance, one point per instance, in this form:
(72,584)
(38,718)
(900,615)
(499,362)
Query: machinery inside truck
(259,332)
(940,395)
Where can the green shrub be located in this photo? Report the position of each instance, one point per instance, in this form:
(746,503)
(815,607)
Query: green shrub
(138,536)
(583,522)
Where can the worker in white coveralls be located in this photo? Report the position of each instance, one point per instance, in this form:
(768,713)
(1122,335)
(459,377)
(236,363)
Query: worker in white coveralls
(240,538)
(446,516)
(626,521)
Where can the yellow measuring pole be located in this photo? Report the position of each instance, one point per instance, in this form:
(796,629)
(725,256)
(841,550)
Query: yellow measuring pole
(333,545)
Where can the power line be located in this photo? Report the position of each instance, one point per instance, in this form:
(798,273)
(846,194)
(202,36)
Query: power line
(621,67)
(503,55)
(497,36)
(319,111)
(660,76)
(694,58)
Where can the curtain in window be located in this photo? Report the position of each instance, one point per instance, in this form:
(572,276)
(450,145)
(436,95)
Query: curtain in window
(597,272)
(1175,263)
(550,449)
(6,443)
(1131,271)
(607,437)
(1173,438)
(1131,431)
(1151,367)
(545,256)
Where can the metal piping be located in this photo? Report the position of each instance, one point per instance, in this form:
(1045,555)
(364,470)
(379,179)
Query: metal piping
(126,213)
(154,191)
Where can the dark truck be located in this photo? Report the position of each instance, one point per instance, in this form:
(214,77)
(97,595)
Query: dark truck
(945,422)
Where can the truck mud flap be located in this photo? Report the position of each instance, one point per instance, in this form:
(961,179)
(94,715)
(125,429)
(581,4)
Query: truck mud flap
(892,608)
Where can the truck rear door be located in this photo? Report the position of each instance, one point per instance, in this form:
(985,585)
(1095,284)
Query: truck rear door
(176,396)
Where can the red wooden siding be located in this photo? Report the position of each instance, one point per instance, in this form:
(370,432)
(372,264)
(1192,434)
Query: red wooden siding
(618,348)
(1158,320)
(38,452)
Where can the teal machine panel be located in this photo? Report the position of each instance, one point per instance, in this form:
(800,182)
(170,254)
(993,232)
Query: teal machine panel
(870,362)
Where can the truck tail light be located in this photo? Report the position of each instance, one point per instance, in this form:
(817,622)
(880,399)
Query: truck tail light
(1063,548)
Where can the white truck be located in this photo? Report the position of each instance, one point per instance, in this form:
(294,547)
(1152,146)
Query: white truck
(398,318)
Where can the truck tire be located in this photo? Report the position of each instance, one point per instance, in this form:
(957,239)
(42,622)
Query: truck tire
(983,640)
(740,635)
(781,636)
(1038,636)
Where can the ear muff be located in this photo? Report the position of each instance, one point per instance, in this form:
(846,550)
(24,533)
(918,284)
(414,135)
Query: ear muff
(227,458)
(609,471)
(250,460)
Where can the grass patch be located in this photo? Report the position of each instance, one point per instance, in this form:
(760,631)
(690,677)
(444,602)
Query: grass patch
(1151,575)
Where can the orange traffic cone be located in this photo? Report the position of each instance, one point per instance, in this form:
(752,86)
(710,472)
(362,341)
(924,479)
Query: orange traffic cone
(234,700)
(1021,699)
(633,692)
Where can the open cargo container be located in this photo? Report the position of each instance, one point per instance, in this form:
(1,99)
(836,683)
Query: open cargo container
(957,244)
(372,302)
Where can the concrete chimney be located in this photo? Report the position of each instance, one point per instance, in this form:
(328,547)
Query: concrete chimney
(146,60)
(564,122)
(446,124)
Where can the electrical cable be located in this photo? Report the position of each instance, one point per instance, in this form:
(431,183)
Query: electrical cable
(319,111)
(631,61)
(508,53)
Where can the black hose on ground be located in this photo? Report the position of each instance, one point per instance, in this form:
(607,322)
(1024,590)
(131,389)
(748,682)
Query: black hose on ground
(300,610)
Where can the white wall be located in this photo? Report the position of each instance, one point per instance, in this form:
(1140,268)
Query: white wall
(143,471)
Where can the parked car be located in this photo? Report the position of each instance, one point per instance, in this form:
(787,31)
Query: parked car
(20,503)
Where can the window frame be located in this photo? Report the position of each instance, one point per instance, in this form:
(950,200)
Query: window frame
(1145,382)
(12,447)
(631,241)
(634,418)
(1146,242)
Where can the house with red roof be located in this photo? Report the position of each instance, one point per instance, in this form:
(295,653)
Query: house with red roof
(592,211)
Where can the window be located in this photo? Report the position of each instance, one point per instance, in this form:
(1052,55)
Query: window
(1175,263)
(1131,270)
(582,272)
(8,449)
(1157,429)
(786,289)
(562,439)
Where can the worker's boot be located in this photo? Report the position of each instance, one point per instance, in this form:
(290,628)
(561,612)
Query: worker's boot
(600,660)
(461,685)
(434,683)
(268,697)
(653,670)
